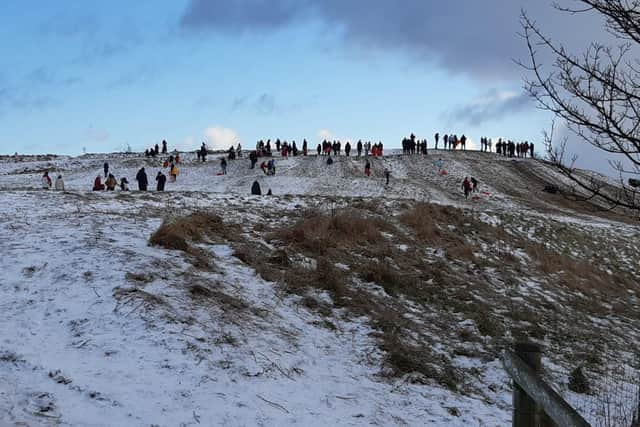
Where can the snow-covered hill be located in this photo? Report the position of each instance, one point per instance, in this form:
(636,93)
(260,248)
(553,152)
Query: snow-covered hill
(100,328)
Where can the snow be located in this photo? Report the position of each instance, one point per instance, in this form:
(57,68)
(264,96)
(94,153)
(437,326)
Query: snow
(131,365)
(73,351)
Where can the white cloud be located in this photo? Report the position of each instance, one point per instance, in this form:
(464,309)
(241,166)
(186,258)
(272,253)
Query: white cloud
(189,144)
(326,134)
(330,136)
(220,138)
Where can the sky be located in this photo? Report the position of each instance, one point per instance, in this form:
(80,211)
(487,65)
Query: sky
(102,76)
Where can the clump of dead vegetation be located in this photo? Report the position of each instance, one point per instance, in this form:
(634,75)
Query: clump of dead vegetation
(183,232)
(318,232)
(177,233)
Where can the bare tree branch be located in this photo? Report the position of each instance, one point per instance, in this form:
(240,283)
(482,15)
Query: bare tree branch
(596,94)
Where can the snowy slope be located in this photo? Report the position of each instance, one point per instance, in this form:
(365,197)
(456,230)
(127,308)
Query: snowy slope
(88,341)
(127,365)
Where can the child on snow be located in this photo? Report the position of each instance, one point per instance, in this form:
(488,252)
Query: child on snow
(59,183)
(46,181)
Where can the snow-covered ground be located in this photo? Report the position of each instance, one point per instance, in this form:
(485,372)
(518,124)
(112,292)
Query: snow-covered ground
(101,329)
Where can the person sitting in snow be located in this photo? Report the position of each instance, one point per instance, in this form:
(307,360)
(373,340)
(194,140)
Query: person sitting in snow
(124,184)
(271,167)
(59,183)
(255,189)
(97,184)
(111,183)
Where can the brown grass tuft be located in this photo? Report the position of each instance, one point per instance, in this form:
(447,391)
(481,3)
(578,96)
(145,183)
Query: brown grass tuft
(318,232)
(177,234)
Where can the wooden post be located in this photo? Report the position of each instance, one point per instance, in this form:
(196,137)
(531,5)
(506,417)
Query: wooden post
(525,409)
(535,403)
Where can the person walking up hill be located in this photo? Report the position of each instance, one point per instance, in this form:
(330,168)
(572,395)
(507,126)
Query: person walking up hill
(143,181)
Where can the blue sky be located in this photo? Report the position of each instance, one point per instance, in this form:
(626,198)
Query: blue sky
(99,75)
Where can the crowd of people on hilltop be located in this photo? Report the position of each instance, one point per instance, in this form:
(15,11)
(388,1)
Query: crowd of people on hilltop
(155,150)
(451,141)
(411,145)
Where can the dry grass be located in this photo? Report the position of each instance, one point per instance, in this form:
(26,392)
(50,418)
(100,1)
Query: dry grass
(318,233)
(176,234)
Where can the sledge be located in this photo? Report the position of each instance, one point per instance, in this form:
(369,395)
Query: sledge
(486,193)
(219,174)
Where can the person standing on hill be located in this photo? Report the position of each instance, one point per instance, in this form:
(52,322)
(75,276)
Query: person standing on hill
(59,183)
(367,168)
(164,147)
(359,148)
(466,186)
(253,157)
(46,181)
(156,149)
(319,149)
(142,179)
(387,175)
(347,148)
(161,181)
(463,142)
(173,173)
(474,183)
(437,137)
(223,165)
(446,141)
(106,169)
(531,149)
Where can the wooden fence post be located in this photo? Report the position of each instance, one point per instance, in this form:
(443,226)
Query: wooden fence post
(535,403)
(525,409)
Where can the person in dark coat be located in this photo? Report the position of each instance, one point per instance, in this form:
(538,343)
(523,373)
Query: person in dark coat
(255,189)
(157,149)
(253,156)
(162,180)
(359,148)
(106,169)
(143,182)
(329,161)
(164,147)
(347,149)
